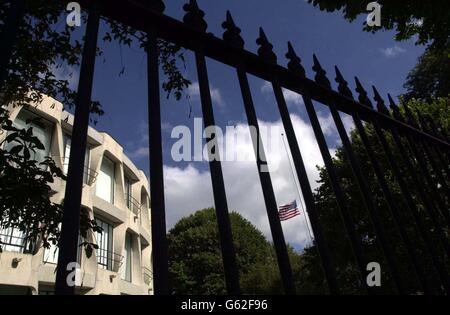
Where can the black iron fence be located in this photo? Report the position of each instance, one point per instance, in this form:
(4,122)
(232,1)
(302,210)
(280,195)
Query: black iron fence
(419,146)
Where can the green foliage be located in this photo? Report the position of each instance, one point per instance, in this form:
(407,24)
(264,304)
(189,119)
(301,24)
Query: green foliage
(348,276)
(44,44)
(196,263)
(431,76)
(437,108)
(428,20)
(25,187)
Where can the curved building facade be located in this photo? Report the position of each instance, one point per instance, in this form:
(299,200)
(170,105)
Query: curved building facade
(116,195)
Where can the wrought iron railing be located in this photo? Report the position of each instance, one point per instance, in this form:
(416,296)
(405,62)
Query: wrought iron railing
(108,259)
(13,243)
(421,147)
(147,274)
(89,174)
(133,204)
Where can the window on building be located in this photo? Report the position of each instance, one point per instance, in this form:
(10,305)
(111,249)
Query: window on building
(105,245)
(42,129)
(128,193)
(87,172)
(12,240)
(105,180)
(126,266)
(51,254)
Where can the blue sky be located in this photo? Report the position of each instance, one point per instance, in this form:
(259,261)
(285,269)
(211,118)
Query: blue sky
(376,59)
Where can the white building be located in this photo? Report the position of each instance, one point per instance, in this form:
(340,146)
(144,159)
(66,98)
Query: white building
(115,193)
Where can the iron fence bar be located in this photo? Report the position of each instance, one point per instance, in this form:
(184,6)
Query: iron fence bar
(437,171)
(194,18)
(72,200)
(350,226)
(302,176)
(445,165)
(345,91)
(362,185)
(157,212)
(220,199)
(430,246)
(9,35)
(441,135)
(420,190)
(232,35)
(267,187)
(423,168)
(323,248)
(437,151)
(137,16)
(339,193)
(419,271)
(431,183)
(429,205)
(266,52)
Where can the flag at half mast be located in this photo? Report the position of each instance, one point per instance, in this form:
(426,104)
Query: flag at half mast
(288,211)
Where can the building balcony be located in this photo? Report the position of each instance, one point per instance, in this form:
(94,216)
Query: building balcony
(147,274)
(12,240)
(89,174)
(134,205)
(109,260)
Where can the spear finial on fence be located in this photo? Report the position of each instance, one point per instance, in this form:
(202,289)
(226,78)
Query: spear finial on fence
(232,32)
(381,107)
(362,94)
(343,85)
(265,50)
(295,63)
(194,16)
(321,74)
(395,110)
(155,5)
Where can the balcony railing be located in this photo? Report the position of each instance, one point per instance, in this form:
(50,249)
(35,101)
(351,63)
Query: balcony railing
(108,259)
(13,243)
(89,174)
(148,275)
(133,204)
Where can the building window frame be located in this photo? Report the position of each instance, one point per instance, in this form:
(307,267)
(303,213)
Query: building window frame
(104,241)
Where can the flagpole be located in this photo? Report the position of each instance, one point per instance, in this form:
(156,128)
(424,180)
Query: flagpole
(298,190)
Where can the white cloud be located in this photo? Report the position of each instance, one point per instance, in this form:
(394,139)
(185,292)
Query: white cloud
(290,96)
(392,52)
(189,189)
(216,96)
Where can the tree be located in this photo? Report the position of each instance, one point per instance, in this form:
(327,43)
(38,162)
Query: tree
(348,275)
(431,76)
(45,43)
(428,20)
(195,262)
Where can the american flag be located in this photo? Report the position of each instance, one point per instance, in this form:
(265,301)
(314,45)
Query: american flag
(288,211)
